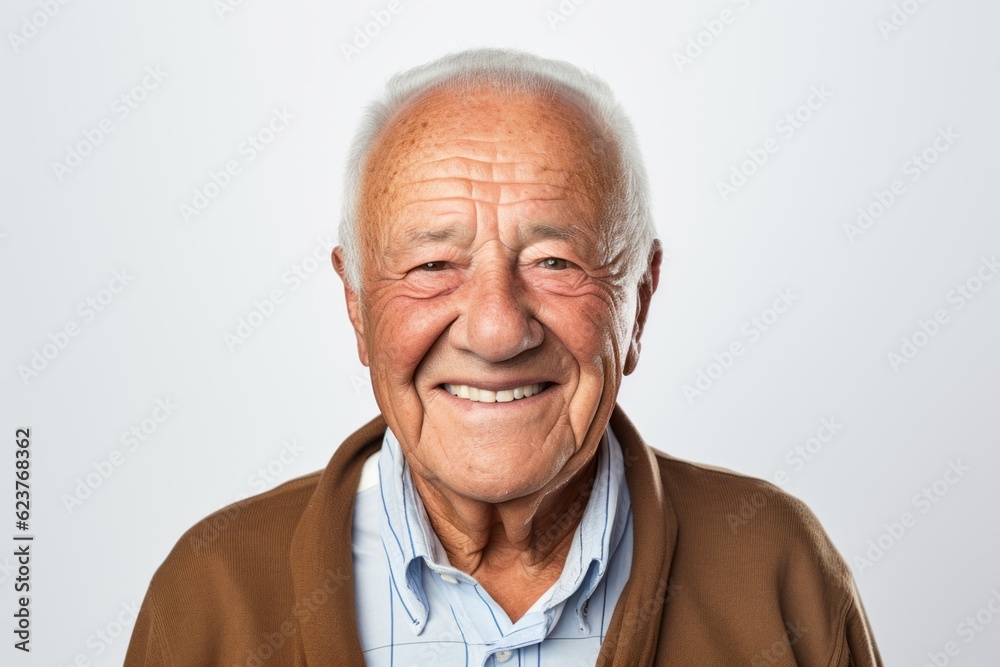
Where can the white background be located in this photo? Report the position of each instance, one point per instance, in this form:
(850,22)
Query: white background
(296,378)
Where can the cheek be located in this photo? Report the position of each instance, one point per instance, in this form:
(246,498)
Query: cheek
(586,327)
(402,331)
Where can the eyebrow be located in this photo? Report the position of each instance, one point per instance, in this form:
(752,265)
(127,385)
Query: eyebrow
(450,233)
(536,231)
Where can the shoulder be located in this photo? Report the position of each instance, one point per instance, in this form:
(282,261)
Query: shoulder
(225,579)
(244,545)
(746,541)
(242,526)
(754,554)
(247,545)
(230,580)
(722,498)
(746,515)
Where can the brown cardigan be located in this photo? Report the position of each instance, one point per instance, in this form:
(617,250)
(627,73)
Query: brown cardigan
(726,570)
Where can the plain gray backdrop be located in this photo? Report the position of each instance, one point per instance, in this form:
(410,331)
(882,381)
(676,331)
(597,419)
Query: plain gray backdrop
(171,172)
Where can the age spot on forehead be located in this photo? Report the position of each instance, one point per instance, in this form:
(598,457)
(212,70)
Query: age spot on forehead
(528,123)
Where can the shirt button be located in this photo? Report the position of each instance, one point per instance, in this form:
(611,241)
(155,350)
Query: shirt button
(447,577)
(503,656)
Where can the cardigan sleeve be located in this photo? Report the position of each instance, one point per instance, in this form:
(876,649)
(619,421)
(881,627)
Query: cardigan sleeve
(148,646)
(821,593)
(859,643)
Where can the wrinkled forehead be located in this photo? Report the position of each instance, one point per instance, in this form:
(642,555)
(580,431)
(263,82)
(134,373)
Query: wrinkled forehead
(506,137)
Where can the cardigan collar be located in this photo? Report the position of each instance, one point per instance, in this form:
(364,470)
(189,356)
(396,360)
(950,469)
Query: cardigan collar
(322,568)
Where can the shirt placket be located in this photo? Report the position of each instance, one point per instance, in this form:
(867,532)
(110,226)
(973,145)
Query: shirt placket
(487,631)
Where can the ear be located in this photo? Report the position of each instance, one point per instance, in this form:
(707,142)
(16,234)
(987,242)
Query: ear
(646,288)
(353,304)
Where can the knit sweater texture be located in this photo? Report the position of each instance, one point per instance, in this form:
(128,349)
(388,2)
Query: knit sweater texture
(727,570)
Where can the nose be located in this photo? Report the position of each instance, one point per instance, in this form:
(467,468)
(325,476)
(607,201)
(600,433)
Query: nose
(497,321)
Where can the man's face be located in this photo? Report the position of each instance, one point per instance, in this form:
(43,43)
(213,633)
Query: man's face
(489,270)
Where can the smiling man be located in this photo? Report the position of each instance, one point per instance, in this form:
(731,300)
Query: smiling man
(498,259)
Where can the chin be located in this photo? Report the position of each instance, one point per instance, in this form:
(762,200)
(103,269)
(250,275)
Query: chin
(489,488)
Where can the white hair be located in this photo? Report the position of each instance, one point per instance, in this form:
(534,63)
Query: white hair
(508,71)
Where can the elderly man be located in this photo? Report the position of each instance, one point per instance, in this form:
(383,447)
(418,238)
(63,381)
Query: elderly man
(498,258)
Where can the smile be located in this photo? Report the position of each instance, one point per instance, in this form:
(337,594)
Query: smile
(487,396)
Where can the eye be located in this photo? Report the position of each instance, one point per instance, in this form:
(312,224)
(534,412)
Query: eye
(554,263)
(432,266)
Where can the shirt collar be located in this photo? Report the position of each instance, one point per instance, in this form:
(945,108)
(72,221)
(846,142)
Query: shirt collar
(410,541)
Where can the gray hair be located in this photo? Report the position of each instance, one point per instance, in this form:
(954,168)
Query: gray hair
(508,71)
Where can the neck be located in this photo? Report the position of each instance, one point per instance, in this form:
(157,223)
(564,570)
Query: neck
(518,545)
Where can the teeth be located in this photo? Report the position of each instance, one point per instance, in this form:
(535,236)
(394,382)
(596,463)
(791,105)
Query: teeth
(487,396)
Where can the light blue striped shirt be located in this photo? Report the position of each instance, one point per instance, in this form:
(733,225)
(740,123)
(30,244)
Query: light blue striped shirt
(414,609)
